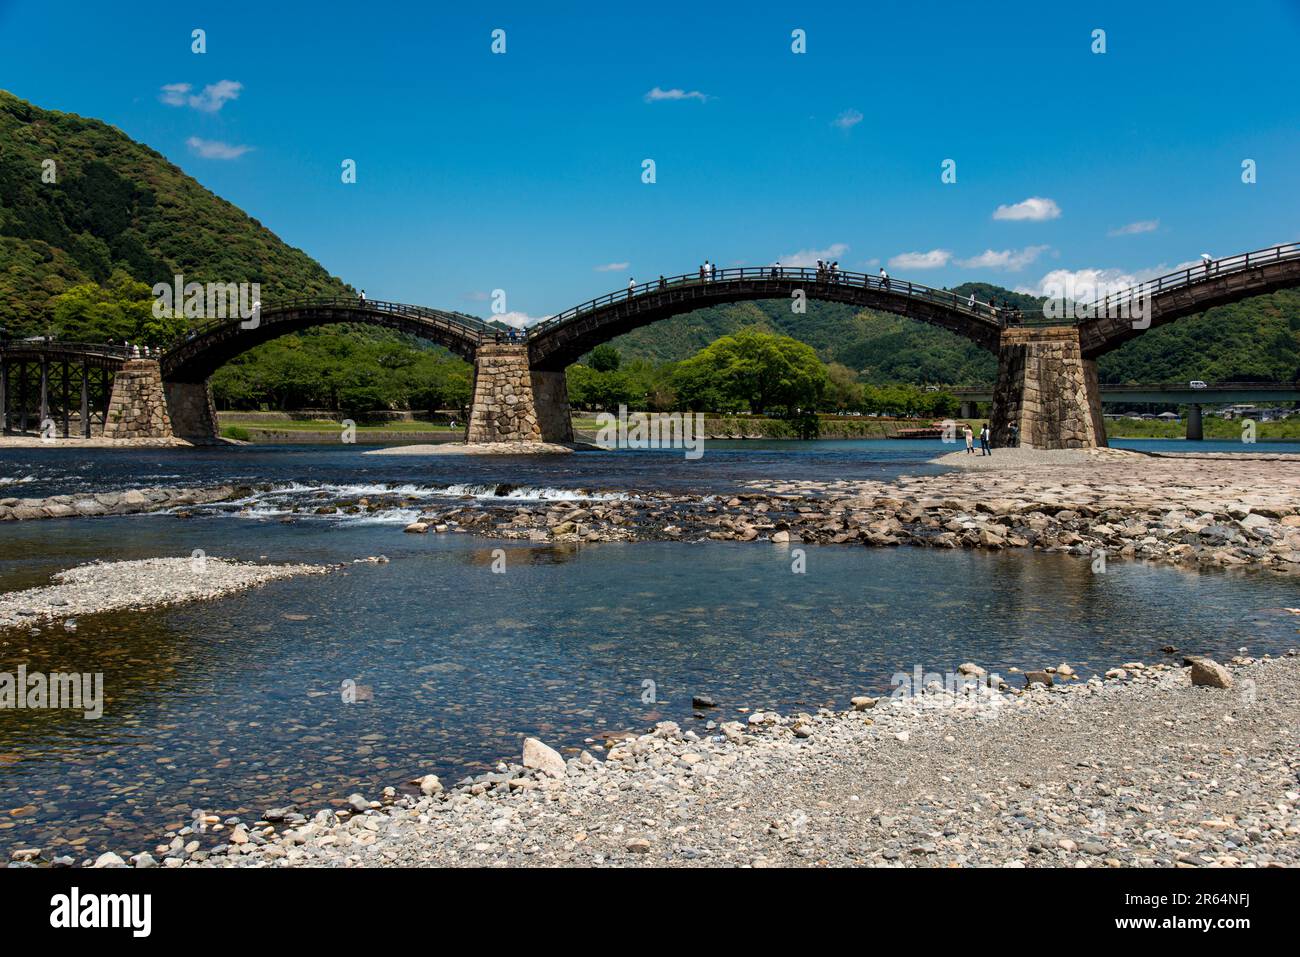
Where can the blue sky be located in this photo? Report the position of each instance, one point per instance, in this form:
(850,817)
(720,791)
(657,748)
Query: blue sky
(522,171)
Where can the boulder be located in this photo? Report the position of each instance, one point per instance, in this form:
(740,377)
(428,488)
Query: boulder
(543,758)
(1208,672)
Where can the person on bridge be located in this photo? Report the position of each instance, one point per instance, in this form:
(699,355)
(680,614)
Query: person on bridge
(970,439)
(776,269)
(662,281)
(710,269)
(884,277)
(971,302)
(985,449)
(835,271)
(631,287)
(362,297)
(703,270)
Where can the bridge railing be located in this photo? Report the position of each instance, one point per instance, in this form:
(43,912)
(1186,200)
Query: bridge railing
(838,277)
(55,346)
(1191,275)
(462,325)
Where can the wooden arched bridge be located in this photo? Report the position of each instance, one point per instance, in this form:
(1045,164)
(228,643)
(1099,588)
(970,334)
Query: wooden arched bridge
(1047,376)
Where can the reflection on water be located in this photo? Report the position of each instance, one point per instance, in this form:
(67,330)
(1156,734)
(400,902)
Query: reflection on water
(234,706)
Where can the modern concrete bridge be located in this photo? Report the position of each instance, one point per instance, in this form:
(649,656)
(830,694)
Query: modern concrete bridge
(1047,374)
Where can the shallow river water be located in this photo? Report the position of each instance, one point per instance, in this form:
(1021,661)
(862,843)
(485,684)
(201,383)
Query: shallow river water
(235,706)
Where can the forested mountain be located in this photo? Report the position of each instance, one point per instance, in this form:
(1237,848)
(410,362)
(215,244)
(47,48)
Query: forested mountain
(78,255)
(1254,340)
(117,204)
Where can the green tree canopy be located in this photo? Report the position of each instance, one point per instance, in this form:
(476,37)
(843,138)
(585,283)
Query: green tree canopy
(753,369)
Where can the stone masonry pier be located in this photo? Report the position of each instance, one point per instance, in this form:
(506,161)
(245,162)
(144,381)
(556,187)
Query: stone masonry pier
(504,410)
(138,407)
(1047,390)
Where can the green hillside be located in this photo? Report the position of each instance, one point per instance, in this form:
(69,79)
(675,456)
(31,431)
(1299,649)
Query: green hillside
(116,204)
(78,255)
(1254,340)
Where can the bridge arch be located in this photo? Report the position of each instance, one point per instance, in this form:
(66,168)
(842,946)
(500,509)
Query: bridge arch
(1188,292)
(207,348)
(562,339)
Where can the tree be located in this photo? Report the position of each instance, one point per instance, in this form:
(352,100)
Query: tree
(605,358)
(604,391)
(843,391)
(122,310)
(754,369)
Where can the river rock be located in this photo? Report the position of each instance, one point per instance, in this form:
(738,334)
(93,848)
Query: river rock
(1208,672)
(543,758)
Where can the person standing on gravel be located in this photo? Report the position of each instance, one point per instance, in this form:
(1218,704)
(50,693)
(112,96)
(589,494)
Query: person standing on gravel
(970,440)
(984,440)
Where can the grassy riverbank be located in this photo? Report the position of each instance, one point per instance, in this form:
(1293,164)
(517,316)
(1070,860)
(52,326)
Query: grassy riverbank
(1225,429)
(283,428)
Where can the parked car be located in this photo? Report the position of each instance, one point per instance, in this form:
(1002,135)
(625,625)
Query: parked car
(1197,384)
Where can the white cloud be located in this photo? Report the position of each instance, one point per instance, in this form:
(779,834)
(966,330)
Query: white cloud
(213,97)
(1132,229)
(215,149)
(656,95)
(520,320)
(1035,209)
(1086,285)
(848,119)
(1012,260)
(175,94)
(809,257)
(934,259)
(612,267)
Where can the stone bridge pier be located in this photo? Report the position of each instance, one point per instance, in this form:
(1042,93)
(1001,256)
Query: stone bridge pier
(514,402)
(193,413)
(137,408)
(1047,390)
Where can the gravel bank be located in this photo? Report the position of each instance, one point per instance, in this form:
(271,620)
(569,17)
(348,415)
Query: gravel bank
(1142,769)
(149,583)
(1019,457)
(75,442)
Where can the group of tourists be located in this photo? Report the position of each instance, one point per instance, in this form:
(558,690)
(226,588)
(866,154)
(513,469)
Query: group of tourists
(828,271)
(986,438)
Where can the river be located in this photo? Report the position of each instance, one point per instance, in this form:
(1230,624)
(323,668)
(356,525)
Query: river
(235,706)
